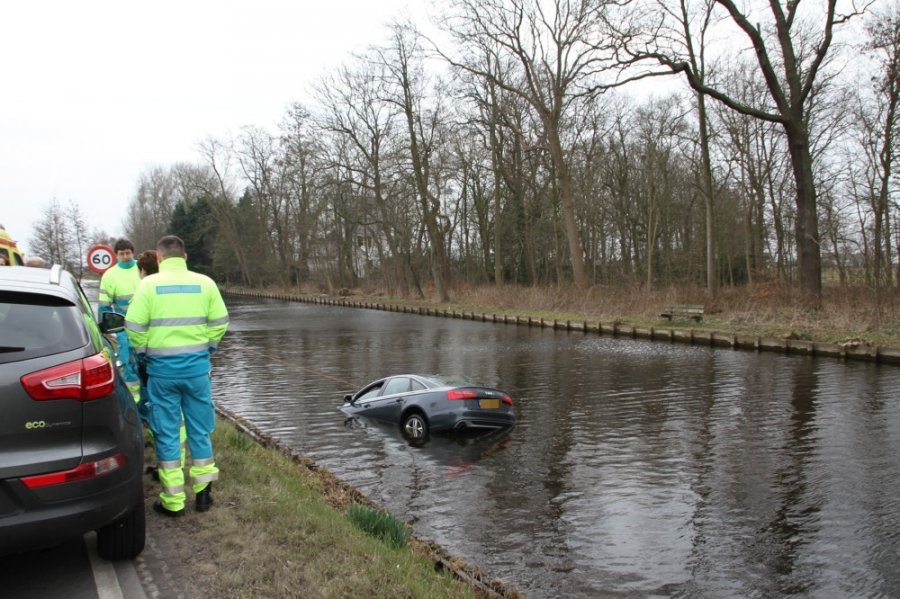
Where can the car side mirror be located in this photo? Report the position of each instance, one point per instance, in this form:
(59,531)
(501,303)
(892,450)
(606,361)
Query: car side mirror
(348,398)
(111,322)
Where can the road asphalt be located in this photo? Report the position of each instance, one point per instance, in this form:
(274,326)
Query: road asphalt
(75,570)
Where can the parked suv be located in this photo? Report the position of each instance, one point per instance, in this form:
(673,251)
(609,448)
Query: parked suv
(71,450)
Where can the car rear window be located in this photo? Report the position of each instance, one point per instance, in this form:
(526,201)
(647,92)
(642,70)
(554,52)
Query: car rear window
(448,380)
(34,325)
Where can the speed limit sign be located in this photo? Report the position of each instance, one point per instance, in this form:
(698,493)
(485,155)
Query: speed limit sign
(100,258)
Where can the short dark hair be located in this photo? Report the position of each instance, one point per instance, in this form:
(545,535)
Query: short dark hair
(170,246)
(148,261)
(123,244)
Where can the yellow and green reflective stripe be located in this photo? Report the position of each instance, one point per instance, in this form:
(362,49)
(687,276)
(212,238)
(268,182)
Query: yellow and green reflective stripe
(172,495)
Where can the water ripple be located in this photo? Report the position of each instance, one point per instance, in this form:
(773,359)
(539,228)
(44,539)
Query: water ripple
(636,468)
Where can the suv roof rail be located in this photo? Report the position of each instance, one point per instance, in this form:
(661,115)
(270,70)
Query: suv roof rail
(55,274)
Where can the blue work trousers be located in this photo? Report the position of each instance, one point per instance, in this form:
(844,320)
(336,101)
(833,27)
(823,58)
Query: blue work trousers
(170,399)
(131,373)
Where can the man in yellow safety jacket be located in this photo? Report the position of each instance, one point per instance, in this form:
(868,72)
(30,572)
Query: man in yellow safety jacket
(117,287)
(175,321)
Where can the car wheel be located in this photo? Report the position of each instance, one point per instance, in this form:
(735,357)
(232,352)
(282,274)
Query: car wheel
(124,538)
(415,426)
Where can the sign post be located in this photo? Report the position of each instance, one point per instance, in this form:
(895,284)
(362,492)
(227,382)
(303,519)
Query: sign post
(101,258)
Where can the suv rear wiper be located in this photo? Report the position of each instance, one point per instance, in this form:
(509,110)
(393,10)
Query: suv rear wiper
(10,348)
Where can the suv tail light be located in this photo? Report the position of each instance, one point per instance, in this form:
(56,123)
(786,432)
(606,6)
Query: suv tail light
(82,380)
(81,472)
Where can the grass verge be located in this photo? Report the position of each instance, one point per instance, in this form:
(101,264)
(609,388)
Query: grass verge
(847,314)
(275,531)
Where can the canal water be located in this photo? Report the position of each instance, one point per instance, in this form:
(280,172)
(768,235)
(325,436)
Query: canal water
(636,469)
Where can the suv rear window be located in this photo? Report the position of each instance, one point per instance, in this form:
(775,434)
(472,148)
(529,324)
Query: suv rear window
(34,325)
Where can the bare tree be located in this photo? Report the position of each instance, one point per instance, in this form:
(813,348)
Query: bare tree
(304,174)
(52,237)
(659,195)
(218,190)
(691,24)
(561,51)
(355,110)
(261,160)
(150,210)
(406,85)
(78,239)
(760,169)
(881,122)
(791,50)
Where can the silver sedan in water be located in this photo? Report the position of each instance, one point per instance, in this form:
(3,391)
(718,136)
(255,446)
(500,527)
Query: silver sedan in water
(422,404)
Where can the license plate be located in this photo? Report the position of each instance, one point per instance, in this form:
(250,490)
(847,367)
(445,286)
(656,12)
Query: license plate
(489,403)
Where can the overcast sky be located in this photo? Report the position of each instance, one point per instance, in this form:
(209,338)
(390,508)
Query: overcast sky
(95,93)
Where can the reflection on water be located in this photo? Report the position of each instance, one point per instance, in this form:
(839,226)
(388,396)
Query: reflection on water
(635,468)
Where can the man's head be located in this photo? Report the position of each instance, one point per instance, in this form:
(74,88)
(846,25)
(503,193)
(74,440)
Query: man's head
(124,250)
(35,261)
(170,246)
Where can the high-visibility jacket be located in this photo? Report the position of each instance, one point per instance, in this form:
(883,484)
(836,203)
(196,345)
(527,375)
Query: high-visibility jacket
(176,320)
(117,287)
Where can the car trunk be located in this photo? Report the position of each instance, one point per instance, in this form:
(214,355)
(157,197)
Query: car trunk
(37,436)
(39,332)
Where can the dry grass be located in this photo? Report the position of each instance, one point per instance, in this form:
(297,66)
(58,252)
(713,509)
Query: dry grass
(279,529)
(765,309)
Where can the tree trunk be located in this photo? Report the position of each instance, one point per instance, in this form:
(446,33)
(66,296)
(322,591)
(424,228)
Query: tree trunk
(712,278)
(807,226)
(430,209)
(498,178)
(567,201)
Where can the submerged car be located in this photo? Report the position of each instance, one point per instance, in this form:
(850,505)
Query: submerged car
(71,448)
(424,404)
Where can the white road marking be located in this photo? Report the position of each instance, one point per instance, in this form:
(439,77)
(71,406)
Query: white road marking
(105,578)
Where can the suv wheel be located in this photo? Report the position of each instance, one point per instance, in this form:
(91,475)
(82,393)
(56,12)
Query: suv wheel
(124,538)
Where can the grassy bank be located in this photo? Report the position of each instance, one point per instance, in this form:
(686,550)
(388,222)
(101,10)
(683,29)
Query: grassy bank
(847,314)
(279,528)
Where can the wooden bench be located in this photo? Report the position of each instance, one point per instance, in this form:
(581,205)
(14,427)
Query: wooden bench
(691,311)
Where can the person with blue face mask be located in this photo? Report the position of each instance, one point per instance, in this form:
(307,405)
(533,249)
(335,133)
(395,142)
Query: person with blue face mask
(117,287)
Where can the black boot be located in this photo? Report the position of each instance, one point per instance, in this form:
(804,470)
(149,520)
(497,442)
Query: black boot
(204,499)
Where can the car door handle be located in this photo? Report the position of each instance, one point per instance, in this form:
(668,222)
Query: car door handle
(399,400)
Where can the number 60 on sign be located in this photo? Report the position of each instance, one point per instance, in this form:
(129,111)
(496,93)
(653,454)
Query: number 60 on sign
(100,258)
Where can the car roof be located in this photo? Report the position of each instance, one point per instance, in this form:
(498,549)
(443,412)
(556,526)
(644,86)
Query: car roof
(436,380)
(28,279)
